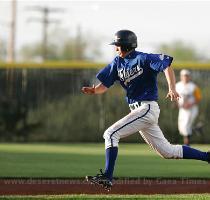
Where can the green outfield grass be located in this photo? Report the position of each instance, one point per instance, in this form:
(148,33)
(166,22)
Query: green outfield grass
(113,197)
(78,160)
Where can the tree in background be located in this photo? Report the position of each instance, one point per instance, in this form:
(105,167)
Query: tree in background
(74,48)
(62,46)
(181,51)
(31,52)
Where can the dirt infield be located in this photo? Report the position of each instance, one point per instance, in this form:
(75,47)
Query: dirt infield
(35,186)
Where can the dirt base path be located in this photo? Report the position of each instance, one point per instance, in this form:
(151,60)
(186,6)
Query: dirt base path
(35,186)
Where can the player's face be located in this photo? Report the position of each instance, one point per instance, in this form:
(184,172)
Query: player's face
(185,78)
(119,51)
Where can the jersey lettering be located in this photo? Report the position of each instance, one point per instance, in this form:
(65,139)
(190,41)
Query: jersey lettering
(127,75)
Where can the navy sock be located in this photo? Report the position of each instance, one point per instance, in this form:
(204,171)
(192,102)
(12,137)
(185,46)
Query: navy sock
(111,155)
(190,153)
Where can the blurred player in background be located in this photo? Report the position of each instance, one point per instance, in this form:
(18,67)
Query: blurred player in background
(190,97)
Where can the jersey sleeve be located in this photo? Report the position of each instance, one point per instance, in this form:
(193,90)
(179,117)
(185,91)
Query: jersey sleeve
(159,62)
(108,75)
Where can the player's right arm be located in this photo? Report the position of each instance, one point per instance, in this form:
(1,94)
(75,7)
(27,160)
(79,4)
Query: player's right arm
(98,89)
(107,76)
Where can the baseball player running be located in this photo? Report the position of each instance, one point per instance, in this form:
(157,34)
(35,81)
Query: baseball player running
(137,73)
(190,97)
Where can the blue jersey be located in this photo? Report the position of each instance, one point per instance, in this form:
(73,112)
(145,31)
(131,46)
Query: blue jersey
(137,74)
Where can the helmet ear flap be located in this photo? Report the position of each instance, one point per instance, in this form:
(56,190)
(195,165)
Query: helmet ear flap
(126,48)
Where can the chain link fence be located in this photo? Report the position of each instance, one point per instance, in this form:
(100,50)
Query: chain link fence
(46,105)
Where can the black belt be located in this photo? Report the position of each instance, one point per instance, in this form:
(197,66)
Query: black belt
(135,105)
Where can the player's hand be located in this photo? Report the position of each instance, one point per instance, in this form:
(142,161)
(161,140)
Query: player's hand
(88,90)
(173,95)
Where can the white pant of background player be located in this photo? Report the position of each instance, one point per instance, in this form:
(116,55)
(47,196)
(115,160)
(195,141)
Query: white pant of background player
(186,119)
(145,120)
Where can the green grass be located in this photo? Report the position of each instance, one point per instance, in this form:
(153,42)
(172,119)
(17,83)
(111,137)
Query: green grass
(78,160)
(113,197)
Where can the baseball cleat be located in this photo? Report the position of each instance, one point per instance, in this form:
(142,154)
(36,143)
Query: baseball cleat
(100,179)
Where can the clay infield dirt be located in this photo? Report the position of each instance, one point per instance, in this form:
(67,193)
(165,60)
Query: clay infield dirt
(36,186)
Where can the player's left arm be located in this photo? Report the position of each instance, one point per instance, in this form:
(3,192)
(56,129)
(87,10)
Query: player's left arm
(171,80)
(197,95)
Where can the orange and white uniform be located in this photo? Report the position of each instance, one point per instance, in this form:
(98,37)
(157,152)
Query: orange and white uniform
(189,94)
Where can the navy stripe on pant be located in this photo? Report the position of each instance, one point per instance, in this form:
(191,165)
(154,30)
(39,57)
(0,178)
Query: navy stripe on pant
(128,124)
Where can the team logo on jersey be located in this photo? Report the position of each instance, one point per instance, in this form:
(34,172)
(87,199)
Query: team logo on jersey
(161,56)
(127,75)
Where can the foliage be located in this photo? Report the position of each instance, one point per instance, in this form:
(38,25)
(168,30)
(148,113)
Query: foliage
(63,47)
(52,108)
(78,115)
(13,114)
(180,51)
